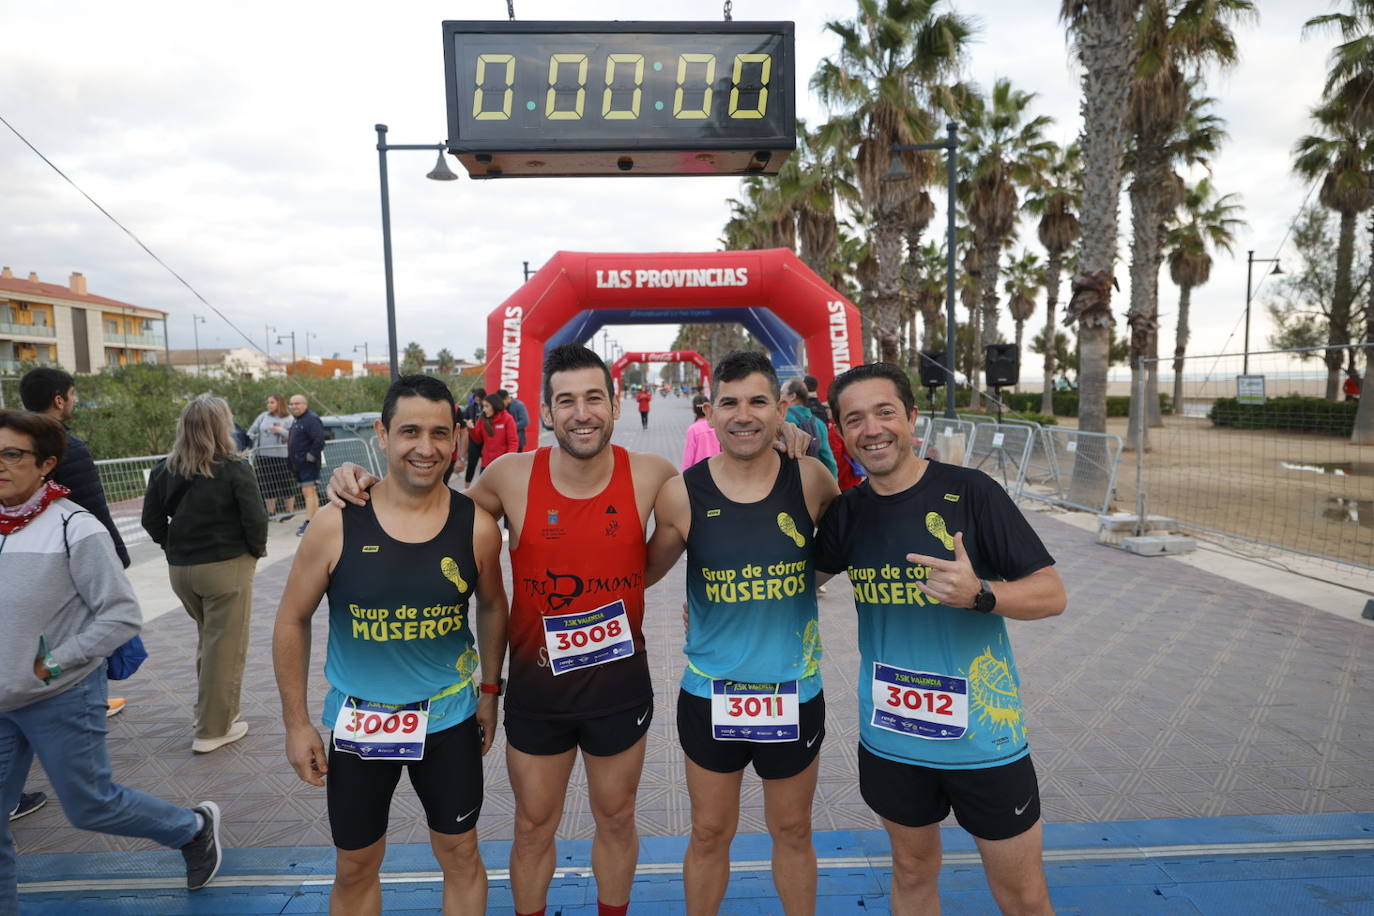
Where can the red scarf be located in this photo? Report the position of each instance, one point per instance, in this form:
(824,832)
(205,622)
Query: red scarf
(12,518)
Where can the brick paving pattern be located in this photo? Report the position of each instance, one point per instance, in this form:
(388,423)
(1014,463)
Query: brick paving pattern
(1163,691)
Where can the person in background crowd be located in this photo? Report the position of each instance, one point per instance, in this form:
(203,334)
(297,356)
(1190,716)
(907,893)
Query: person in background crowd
(75,608)
(644,398)
(813,401)
(269,434)
(794,396)
(204,508)
(520,413)
(495,432)
(851,472)
(701,438)
(304,446)
(51,391)
(471,415)
(1351,388)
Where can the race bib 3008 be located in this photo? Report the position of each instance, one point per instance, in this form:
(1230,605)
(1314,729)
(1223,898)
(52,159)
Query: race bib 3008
(588,638)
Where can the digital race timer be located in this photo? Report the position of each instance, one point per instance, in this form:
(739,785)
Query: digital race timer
(609,98)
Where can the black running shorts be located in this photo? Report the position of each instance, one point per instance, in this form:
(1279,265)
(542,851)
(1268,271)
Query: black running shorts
(777,760)
(448,782)
(996,803)
(603,736)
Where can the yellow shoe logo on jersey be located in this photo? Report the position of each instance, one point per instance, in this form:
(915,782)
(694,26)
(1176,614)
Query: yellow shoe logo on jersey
(370,548)
(936,526)
(712,513)
(789,528)
(952,497)
(450,570)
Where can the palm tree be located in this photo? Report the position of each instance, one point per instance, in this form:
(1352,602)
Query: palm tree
(1103,33)
(1350,87)
(1025,277)
(444,359)
(1207,222)
(1173,38)
(884,87)
(412,358)
(1004,148)
(1056,201)
(1339,155)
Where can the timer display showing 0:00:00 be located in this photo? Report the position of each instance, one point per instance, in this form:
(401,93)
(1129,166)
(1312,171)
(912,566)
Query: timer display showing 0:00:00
(614,62)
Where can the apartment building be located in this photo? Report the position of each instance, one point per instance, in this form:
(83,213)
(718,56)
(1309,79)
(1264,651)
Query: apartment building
(66,326)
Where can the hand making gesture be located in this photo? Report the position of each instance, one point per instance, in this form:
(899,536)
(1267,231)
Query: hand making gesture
(953,583)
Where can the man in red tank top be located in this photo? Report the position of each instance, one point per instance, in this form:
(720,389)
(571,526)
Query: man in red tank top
(578,673)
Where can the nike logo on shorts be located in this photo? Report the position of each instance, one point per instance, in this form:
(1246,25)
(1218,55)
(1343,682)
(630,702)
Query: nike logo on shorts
(470,814)
(1022,810)
(640,720)
(813,739)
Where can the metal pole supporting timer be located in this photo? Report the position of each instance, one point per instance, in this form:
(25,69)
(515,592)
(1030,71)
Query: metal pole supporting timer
(951,146)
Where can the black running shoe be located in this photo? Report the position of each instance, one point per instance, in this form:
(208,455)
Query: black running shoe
(29,802)
(203,854)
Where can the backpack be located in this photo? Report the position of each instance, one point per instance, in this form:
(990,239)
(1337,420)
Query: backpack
(125,660)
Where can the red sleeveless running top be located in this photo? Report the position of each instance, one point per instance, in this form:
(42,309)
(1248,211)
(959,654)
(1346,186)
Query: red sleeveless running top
(575,556)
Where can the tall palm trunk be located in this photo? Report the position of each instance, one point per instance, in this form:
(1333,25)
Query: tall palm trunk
(1363,433)
(1146,244)
(1185,302)
(1106,44)
(1342,298)
(984,317)
(1053,269)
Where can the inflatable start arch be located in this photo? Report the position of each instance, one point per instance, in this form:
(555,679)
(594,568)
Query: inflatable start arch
(661,356)
(776,296)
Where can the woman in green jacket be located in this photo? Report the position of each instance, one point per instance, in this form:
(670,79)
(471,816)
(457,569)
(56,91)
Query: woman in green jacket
(204,508)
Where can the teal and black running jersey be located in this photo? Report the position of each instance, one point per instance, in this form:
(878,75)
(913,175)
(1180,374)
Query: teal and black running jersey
(751,586)
(399,628)
(938,685)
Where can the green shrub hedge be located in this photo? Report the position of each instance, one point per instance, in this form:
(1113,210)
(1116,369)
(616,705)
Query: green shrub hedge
(1298,414)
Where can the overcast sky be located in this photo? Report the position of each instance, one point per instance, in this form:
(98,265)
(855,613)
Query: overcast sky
(237,141)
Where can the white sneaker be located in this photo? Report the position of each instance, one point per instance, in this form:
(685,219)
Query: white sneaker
(206,745)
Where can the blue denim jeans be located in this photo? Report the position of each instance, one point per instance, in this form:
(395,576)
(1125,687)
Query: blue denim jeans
(67,732)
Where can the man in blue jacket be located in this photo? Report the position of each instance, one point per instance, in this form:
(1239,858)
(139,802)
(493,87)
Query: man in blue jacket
(304,445)
(520,413)
(794,395)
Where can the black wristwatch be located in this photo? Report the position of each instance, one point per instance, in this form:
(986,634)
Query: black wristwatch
(985,600)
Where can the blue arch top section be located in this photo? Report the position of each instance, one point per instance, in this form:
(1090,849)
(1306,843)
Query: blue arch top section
(784,344)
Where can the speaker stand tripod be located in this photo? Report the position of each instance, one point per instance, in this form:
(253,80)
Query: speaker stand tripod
(1002,461)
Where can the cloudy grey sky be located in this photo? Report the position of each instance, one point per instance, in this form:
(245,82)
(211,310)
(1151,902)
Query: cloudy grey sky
(237,141)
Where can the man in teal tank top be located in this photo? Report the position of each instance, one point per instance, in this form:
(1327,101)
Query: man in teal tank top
(751,690)
(410,687)
(939,557)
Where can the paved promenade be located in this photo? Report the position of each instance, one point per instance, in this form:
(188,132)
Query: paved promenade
(1203,747)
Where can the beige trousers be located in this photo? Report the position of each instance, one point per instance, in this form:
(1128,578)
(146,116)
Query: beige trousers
(219,598)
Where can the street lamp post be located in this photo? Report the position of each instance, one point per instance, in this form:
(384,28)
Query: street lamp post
(291,335)
(951,147)
(267,332)
(365,357)
(197,320)
(527,270)
(1250,262)
(440,172)
(308,335)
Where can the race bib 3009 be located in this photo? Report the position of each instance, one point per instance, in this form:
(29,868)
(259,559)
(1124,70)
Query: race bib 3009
(919,703)
(382,731)
(588,638)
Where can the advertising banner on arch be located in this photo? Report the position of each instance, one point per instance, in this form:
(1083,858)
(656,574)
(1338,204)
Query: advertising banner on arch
(718,286)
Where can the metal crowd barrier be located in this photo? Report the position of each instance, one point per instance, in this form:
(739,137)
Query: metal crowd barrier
(1001,450)
(947,440)
(126,479)
(1079,469)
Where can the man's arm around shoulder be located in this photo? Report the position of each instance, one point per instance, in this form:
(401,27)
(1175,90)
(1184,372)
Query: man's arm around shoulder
(672,524)
(493,610)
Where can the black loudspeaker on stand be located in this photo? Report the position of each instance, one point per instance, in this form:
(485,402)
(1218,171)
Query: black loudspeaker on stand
(1002,365)
(932,368)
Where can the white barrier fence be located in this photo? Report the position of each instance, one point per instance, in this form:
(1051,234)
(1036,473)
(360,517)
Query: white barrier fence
(126,479)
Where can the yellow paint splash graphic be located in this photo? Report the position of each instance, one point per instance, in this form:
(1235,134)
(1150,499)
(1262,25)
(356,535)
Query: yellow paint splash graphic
(466,664)
(993,694)
(449,568)
(936,526)
(811,648)
(789,528)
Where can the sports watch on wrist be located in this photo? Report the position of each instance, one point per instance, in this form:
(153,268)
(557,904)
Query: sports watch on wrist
(496,689)
(985,600)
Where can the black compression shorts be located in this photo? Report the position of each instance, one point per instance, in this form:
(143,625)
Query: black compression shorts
(996,803)
(448,782)
(776,760)
(603,736)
